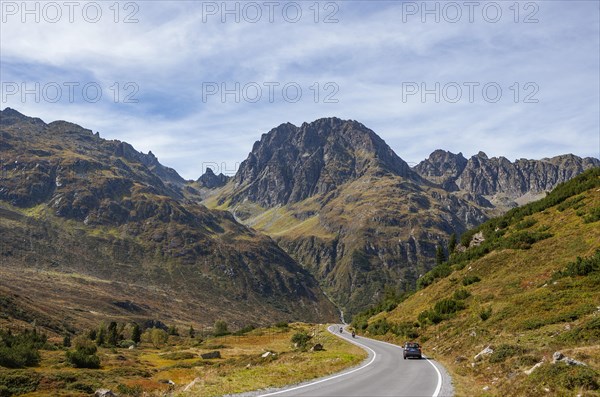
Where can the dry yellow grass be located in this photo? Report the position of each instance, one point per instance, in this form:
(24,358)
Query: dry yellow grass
(241,366)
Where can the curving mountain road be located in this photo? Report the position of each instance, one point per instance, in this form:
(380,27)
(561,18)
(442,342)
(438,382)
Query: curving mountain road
(384,373)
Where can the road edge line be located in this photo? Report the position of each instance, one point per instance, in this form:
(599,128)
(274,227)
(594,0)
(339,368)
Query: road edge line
(339,375)
(438,388)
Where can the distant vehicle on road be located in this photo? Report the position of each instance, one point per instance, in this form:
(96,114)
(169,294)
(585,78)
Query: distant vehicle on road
(412,349)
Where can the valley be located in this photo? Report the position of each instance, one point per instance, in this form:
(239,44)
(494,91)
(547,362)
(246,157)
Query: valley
(96,238)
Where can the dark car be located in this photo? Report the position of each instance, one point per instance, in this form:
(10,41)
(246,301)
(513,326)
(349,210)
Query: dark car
(412,349)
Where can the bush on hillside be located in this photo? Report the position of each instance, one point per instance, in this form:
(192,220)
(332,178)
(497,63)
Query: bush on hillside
(300,339)
(84,355)
(503,352)
(581,267)
(485,314)
(461,294)
(14,383)
(20,350)
(468,280)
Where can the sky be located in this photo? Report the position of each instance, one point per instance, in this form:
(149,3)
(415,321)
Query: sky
(198,82)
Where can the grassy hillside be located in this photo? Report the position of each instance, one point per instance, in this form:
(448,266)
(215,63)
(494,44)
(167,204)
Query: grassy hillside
(90,232)
(373,233)
(175,367)
(531,288)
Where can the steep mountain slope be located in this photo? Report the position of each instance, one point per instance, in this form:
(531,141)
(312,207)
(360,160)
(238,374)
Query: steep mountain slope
(344,205)
(526,287)
(89,231)
(291,164)
(338,199)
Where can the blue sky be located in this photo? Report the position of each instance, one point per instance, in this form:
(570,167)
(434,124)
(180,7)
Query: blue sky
(369,61)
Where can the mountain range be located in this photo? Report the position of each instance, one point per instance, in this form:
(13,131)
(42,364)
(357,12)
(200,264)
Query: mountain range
(320,213)
(92,230)
(338,199)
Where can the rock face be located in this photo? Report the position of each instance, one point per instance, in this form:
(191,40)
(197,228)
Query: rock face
(211,181)
(79,204)
(485,176)
(290,164)
(336,197)
(442,168)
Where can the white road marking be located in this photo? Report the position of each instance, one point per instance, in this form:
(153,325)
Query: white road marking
(436,393)
(331,377)
(438,388)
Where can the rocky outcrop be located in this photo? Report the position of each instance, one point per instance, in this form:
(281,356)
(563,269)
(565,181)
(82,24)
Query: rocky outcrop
(485,176)
(443,168)
(290,164)
(211,181)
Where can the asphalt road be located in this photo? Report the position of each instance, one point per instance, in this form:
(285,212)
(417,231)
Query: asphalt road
(384,373)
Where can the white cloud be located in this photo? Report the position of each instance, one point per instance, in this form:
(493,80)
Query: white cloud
(171,52)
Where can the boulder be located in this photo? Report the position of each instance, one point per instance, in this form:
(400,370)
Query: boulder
(209,355)
(460,359)
(530,370)
(559,357)
(104,393)
(317,348)
(485,352)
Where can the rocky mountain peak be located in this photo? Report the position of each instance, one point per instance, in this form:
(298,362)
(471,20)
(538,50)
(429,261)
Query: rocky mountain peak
(211,181)
(443,168)
(484,176)
(291,163)
(10,116)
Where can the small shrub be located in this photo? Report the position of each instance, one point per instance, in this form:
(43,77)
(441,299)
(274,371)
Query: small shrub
(525,224)
(125,344)
(379,327)
(588,332)
(360,323)
(220,328)
(84,355)
(581,267)
(593,216)
(448,306)
(83,387)
(301,339)
(19,356)
(485,314)
(244,330)
(79,359)
(468,280)
(282,324)
(461,294)
(20,350)
(133,391)
(527,361)
(179,356)
(567,377)
(505,351)
(158,337)
(19,382)
(405,329)
(569,203)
